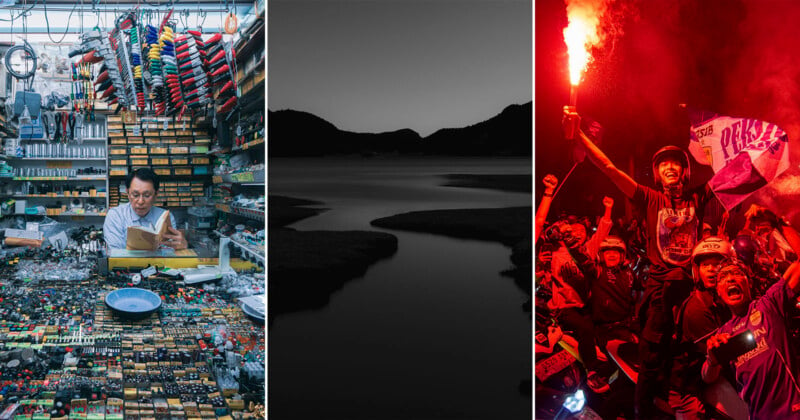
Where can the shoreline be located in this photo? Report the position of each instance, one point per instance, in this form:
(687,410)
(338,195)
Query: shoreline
(510,226)
(306,267)
(505,183)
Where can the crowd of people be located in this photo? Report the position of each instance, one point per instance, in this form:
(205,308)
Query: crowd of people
(710,306)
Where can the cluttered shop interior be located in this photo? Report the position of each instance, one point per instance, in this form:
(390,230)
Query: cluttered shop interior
(132,210)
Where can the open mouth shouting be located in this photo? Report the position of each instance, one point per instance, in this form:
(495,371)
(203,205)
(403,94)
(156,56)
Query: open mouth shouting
(732,286)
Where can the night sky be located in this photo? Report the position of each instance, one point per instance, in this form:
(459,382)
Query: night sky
(738,58)
(383,65)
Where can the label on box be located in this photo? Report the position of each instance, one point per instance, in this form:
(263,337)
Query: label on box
(137,131)
(149,271)
(244,177)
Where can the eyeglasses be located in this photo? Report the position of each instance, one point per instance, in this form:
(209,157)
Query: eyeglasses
(136,195)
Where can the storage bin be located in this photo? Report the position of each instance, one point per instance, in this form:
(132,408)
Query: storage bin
(182,171)
(162,171)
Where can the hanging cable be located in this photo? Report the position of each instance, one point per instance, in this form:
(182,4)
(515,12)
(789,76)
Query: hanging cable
(48,23)
(27,49)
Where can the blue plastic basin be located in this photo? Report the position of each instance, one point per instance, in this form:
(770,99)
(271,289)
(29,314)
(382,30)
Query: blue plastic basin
(133,303)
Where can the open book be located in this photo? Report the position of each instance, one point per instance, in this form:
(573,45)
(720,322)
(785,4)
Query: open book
(145,238)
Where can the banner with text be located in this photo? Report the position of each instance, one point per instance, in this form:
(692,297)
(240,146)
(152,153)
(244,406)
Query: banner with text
(745,153)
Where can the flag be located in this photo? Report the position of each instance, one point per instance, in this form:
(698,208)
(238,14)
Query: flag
(744,153)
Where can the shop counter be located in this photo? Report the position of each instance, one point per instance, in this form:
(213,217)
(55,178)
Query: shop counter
(185,258)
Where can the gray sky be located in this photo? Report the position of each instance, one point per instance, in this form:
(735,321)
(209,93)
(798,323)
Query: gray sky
(383,65)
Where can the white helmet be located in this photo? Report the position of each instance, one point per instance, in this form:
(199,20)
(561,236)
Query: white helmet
(712,245)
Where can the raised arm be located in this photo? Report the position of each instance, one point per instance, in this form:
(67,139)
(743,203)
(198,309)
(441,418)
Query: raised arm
(623,181)
(550,183)
(792,237)
(603,228)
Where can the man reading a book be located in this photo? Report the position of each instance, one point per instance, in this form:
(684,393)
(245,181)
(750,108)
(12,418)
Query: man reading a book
(142,188)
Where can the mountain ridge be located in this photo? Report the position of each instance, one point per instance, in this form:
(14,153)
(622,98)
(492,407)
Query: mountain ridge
(294,133)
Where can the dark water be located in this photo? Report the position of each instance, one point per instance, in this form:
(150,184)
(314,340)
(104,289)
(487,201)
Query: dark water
(433,332)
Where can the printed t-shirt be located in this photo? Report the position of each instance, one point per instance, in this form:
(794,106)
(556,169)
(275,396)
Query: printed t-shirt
(672,225)
(764,375)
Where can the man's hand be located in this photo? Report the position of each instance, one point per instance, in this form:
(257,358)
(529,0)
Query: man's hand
(714,342)
(608,202)
(550,183)
(173,238)
(571,122)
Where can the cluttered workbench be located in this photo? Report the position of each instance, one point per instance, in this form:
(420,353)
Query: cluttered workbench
(198,352)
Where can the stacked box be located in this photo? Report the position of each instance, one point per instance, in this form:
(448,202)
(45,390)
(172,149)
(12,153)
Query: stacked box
(170,147)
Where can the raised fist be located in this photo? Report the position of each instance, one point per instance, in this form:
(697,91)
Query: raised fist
(550,182)
(608,202)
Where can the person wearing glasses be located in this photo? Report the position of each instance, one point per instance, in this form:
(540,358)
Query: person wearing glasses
(142,188)
(766,376)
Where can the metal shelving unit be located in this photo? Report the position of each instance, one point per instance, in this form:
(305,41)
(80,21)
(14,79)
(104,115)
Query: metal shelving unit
(54,164)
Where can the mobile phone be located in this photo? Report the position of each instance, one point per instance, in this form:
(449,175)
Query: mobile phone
(736,346)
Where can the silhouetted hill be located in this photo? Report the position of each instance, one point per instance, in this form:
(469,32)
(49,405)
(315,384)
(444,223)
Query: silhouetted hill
(297,133)
(506,134)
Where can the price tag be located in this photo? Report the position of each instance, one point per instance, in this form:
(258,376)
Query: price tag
(149,271)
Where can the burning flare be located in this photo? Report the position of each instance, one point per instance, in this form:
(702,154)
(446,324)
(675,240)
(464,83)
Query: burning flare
(582,34)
